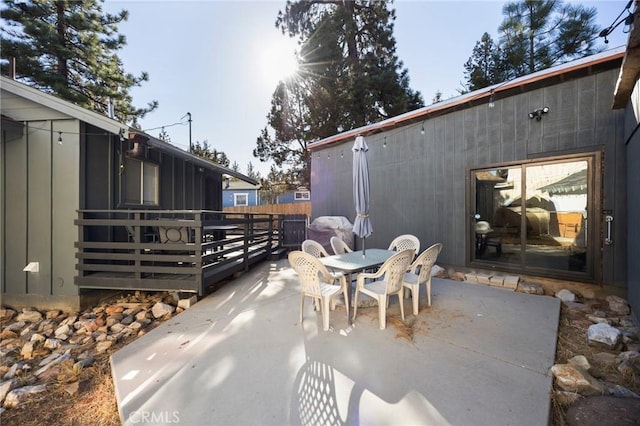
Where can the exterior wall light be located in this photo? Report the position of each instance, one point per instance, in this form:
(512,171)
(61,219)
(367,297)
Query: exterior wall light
(537,114)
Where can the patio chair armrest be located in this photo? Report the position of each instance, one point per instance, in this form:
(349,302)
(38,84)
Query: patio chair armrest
(364,275)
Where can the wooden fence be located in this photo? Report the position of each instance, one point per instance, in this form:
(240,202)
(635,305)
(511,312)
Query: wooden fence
(303,207)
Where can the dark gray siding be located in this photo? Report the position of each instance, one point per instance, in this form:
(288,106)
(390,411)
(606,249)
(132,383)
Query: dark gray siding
(182,186)
(419,182)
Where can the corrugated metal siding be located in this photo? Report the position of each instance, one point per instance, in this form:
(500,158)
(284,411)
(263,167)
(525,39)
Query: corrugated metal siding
(418,182)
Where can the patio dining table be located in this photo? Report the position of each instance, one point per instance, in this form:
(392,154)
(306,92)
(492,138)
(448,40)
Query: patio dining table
(356,261)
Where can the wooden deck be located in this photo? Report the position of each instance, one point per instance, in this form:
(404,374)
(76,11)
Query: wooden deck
(170,250)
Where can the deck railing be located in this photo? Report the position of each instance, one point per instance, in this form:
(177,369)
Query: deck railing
(181,250)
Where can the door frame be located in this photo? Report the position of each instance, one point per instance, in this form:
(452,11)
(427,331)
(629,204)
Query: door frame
(594,257)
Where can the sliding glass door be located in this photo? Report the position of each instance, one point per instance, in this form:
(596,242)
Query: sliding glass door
(535,217)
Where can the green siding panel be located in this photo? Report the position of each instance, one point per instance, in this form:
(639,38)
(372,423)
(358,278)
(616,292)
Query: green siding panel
(39,208)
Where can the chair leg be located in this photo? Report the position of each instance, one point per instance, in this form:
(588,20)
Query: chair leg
(355,304)
(326,301)
(301,306)
(401,306)
(382,312)
(415,295)
(429,291)
(345,291)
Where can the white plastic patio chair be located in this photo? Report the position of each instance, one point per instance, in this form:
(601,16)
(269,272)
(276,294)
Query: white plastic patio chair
(420,273)
(339,246)
(404,242)
(317,282)
(387,281)
(314,248)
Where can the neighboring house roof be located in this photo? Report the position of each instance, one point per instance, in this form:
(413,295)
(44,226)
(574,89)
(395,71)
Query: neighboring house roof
(482,95)
(238,185)
(17,112)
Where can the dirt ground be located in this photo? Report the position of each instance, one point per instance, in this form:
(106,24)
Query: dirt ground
(94,402)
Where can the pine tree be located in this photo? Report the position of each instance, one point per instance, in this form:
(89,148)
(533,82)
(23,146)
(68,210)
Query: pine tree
(534,35)
(164,136)
(486,66)
(68,48)
(350,76)
(203,150)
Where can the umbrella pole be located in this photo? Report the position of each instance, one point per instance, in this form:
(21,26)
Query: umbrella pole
(364,250)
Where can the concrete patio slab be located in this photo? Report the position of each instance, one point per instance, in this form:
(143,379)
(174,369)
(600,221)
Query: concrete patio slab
(479,355)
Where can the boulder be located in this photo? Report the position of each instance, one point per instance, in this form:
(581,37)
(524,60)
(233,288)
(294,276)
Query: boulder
(566,295)
(574,379)
(618,305)
(160,309)
(604,410)
(604,335)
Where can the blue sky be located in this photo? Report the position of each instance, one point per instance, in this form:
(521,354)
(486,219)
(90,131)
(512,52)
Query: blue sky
(221,60)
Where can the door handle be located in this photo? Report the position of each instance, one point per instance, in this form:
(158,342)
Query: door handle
(608,220)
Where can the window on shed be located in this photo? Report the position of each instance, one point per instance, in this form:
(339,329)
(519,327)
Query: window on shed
(141,182)
(240,200)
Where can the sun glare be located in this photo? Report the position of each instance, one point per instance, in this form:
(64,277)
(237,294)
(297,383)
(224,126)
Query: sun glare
(278,61)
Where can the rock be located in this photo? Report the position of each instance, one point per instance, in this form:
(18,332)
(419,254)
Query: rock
(141,315)
(621,391)
(565,398)
(103,346)
(457,276)
(438,271)
(530,288)
(27,350)
(574,379)
(52,344)
(603,334)
(72,388)
(160,309)
(7,334)
(187,303)
(15,326)
(618,305)
(627,369)
(580,361)
(117,327)
(632,346)
(6,386)
(63,330)
(604,410)
(566,295)
(127,320)
(135,325)
(631,356)
(37,338)
(17,396)
(6,314)
(599,320)
(577,307)
(53,361)
(113,309)
(12,371)
(29,316)
(53,314)
(605,359)
(83,363)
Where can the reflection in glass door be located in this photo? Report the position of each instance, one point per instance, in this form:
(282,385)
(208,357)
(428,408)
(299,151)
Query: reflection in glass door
(548,230)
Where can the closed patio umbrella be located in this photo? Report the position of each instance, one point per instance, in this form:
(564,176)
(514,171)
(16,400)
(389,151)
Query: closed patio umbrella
(362,225)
